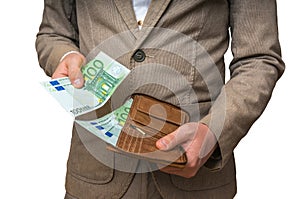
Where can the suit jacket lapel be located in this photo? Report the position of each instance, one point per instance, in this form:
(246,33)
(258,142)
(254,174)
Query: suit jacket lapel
(155,11)
(125,8)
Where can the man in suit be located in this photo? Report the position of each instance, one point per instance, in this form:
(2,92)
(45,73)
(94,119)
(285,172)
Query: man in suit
(189,38)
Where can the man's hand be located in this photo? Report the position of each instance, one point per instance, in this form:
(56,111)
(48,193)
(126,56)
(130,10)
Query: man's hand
(197,140)
(70,67)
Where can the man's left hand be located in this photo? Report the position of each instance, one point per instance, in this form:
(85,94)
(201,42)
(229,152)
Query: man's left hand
(198,142)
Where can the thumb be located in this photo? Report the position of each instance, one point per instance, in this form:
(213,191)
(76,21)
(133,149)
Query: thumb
(171,140)
(74,66)
(76,79)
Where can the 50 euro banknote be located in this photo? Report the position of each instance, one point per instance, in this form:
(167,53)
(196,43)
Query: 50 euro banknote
(102,76)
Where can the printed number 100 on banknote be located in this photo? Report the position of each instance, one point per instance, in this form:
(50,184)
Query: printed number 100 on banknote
(102,76)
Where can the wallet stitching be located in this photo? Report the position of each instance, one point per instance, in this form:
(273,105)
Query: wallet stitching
(133,139)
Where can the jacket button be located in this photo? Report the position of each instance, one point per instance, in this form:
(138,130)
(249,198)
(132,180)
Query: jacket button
(139,55)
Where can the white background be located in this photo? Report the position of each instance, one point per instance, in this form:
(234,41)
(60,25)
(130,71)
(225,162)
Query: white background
(35,131)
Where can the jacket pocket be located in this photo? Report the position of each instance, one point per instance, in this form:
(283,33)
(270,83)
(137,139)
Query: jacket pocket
(89,160)
(206,179)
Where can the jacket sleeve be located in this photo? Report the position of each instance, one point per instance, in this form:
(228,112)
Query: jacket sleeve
(254,71)
(58,33)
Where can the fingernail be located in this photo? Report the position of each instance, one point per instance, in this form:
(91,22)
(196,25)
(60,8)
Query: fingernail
(163,144)
(77,82)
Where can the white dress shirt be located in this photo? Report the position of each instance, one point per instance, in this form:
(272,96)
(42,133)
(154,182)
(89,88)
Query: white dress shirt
(140,8)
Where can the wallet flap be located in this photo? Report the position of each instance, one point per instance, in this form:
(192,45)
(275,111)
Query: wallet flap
(145,125)
(160,110)
(154,123)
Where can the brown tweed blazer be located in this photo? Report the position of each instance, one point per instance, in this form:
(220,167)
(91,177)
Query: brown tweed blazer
(184,43)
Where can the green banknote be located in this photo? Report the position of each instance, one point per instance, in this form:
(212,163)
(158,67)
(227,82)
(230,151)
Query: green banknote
(102,76)
(109,126)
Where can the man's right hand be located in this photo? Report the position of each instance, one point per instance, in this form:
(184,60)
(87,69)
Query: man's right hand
(70,66)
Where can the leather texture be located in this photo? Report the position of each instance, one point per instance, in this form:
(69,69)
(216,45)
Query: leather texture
(149,120)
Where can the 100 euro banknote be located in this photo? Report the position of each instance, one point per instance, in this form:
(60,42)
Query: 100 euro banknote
(102,76)
(108,127)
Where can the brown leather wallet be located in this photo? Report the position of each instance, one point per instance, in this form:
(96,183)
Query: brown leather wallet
(150,119)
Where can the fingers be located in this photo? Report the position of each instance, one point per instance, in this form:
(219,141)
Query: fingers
(182,134)
(209,144)
(61,71)
(198,142)
(70,67)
